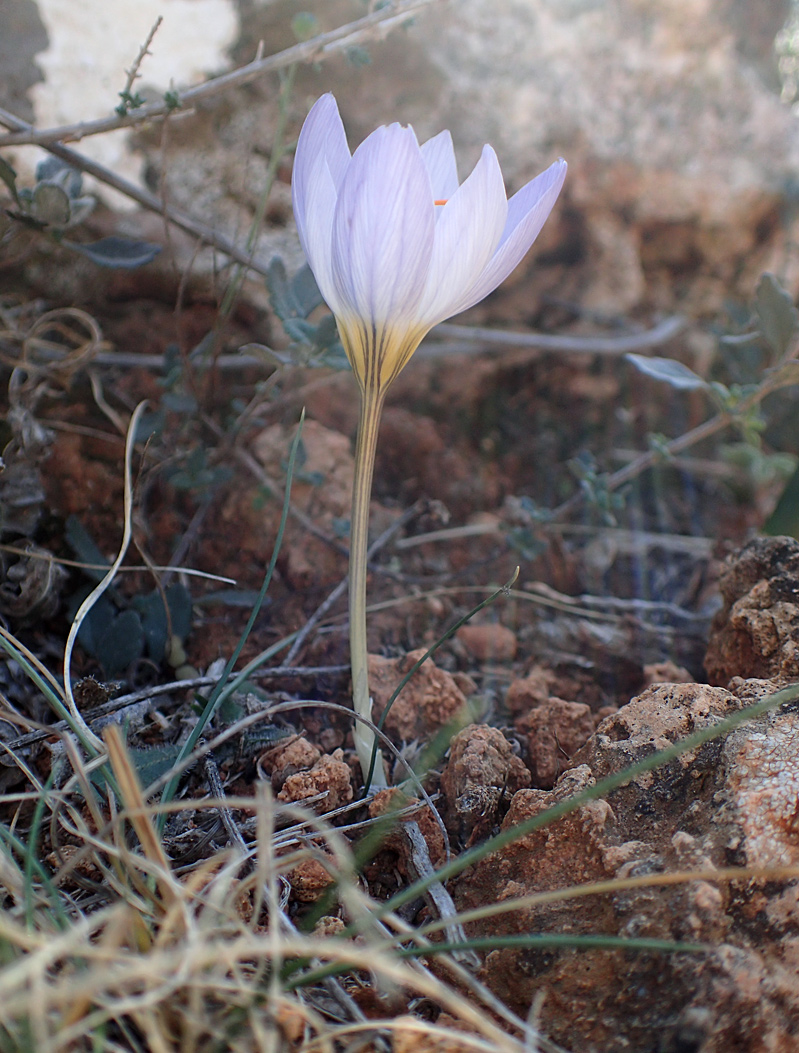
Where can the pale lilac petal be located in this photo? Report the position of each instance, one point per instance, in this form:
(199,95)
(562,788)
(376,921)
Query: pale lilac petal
(527,213)
(468,230)
(316,230)
(438,154)
(383,229)
(322,135)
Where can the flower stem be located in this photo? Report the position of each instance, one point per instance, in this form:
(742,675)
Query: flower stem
(366,445)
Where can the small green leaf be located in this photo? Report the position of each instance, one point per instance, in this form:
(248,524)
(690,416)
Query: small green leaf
(92,626)
(358,56)
(779,319)
(180,609)
(120,643)
(180,402)
(54,170)
(668,370)
(115,639)
(154,620)
(299,330)
(117,252)
(334,357)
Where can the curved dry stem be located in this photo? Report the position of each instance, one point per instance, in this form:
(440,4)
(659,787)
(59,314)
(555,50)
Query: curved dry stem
(90,739)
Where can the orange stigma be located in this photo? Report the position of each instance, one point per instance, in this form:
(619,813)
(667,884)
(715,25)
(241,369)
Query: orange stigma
(441,201)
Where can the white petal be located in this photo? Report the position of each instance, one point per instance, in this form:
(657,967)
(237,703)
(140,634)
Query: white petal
(322,135)
(383,228)
(438,154)
(467,233)
(527,213)
(316,232)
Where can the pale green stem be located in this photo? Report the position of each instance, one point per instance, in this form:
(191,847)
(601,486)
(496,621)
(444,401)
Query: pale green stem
(368,425)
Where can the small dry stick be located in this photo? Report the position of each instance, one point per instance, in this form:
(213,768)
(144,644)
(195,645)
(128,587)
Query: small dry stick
(218,791)
(477,337)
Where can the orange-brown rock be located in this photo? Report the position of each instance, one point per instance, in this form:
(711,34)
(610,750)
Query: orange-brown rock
(481,774)
(298,753)
(309,880)
(532,690)
(330,775)
(429,700)
(730,800)
(329,925)
(488,643)
(387,801)
(756,632)
(554,732)
(667,672)
(410,1035)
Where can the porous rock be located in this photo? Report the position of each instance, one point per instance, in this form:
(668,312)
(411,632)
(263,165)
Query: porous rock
(309,880)
(330,775)
(482,772)
(297,753)
(531,690)
(428,701)
(396,840)
(756,632)
(728,801)
(554,732)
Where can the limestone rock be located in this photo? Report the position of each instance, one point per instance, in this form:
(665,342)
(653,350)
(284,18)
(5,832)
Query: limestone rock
(669,115)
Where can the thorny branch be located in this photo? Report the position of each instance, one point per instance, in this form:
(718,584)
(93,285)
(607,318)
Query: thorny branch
(373,26)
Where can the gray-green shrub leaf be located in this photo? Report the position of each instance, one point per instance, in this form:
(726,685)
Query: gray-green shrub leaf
(669,370)
(779,319)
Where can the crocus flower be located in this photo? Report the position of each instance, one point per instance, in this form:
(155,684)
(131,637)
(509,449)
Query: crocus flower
(397,245)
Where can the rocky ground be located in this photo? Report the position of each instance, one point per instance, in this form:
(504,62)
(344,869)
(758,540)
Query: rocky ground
(619,638)
(641,614)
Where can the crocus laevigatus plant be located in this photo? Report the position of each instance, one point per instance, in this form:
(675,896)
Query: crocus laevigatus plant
(397,245)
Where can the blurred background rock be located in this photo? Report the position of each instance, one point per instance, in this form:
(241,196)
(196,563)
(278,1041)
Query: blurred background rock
(676,120)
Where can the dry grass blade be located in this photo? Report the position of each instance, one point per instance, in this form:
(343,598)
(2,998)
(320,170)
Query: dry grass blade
(138,813)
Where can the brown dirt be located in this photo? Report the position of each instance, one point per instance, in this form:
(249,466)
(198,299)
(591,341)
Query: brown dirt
(543,680)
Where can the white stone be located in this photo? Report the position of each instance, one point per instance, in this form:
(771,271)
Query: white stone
(94,42)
